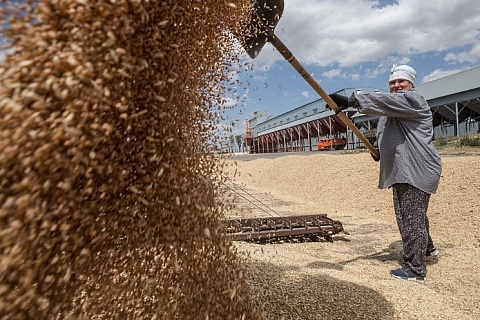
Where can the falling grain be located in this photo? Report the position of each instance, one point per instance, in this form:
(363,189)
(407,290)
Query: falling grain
(105,210)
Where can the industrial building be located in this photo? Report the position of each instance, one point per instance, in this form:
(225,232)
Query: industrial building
(454,101)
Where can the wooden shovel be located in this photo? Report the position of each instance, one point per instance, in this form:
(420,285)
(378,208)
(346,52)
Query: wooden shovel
(260,29)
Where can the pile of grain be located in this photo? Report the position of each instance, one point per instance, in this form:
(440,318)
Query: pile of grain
(107,206)
(349,278)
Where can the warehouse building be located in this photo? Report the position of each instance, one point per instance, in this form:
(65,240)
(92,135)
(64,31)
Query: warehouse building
(454,101)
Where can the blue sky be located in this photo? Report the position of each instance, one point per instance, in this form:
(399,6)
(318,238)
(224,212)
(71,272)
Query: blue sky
(351,43)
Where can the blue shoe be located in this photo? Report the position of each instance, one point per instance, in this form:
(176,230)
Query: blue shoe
(406,273)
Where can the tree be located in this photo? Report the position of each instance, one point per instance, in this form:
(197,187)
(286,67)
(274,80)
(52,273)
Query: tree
(239,139)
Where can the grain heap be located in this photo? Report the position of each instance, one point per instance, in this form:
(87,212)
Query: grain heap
(107,206)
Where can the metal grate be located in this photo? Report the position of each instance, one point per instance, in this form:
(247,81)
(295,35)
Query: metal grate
(282,228)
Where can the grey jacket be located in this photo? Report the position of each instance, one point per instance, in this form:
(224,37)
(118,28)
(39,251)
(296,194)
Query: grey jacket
(405,134)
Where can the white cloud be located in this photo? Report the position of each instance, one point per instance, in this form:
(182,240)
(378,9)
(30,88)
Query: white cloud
(334,73)
(350,32)
(471,56)
(230,102)
(354,76)
(306,94)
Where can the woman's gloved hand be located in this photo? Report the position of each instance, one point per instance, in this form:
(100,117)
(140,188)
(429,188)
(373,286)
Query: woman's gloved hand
(342,102)
(375,157)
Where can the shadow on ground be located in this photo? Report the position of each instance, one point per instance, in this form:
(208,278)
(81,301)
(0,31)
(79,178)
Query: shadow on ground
(394,252)
(292,294)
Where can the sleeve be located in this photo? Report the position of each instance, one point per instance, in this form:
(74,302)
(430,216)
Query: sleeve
(405,104)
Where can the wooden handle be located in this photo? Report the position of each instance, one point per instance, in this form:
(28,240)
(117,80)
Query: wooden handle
(288,55)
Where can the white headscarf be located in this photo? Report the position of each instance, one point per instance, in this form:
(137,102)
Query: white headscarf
(403,72)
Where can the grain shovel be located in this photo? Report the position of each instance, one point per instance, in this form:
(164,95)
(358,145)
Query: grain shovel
(260,30)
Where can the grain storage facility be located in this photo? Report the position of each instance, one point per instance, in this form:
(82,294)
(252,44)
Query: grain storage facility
(454,101)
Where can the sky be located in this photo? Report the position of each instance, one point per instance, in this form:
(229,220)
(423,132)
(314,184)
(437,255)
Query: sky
(354,43)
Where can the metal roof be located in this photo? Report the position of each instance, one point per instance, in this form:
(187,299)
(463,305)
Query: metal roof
(313,110)
(453,98)
(459,82)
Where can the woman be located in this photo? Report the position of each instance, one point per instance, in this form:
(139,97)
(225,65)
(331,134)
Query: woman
(409,163)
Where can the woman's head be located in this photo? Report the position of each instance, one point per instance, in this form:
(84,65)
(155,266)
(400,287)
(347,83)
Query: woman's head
(402,77)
